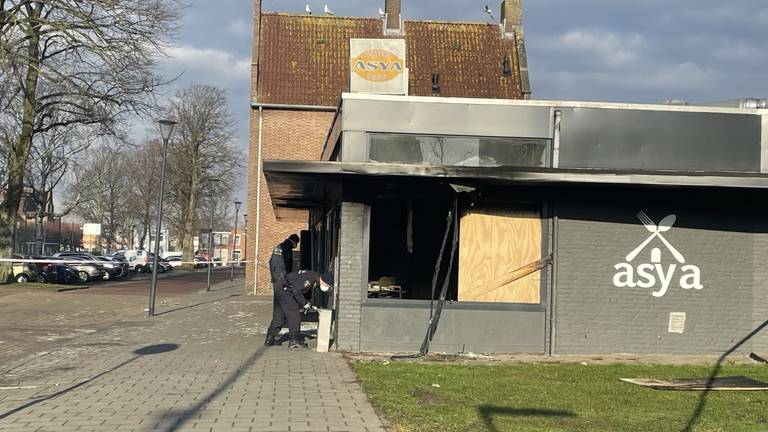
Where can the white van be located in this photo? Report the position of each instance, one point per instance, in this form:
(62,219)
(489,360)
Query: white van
(137,259)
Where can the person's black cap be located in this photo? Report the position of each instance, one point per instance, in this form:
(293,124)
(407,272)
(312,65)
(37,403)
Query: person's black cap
(327,278)
(294,238)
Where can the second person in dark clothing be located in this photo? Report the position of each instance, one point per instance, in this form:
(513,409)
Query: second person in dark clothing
(281,261)
(290,299)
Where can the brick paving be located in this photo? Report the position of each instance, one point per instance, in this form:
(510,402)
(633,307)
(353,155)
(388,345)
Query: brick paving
(200,366)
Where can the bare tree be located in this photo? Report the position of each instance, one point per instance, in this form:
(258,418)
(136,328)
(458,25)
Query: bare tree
(144,183)
(103,194)
(203,148)
(84,63)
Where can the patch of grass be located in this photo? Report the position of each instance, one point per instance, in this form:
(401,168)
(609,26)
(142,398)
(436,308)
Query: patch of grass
(533,397)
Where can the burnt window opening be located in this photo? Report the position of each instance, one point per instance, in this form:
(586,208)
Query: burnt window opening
(498,257)
(405,240)
(458,151)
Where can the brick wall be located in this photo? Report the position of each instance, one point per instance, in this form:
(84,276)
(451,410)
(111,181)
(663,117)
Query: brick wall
(350,278)
(298,135)
(728,244)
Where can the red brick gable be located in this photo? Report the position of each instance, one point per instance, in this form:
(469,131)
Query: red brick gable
(304,60)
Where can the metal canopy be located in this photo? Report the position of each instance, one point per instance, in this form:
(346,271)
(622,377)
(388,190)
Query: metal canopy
(308,184)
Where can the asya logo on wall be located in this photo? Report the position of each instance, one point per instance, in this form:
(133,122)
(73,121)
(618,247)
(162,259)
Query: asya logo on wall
(655,275)
(377,65)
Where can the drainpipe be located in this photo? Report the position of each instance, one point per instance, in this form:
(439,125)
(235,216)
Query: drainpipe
(553,295)
(258,205)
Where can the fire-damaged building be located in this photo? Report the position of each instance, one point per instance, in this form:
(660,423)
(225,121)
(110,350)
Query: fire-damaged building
(539,226)
(476,220)
(301,67)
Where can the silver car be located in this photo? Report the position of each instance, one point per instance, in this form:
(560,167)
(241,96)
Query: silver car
(85,271)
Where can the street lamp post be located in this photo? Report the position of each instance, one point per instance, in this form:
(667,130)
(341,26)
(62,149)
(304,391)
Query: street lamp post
(244,240)
(210,234)
(166,129)
(234,241)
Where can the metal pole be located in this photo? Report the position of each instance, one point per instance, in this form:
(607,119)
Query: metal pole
(210,243)
(153,287)
(232,274)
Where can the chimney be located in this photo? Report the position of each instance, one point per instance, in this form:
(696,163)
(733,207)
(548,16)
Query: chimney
(512,28)
(392,22)
(512,16)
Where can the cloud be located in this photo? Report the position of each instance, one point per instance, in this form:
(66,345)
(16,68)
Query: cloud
(610,49)
(240,27)
(215,61)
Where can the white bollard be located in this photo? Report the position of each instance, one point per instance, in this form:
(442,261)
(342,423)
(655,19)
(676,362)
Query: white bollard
(324,330)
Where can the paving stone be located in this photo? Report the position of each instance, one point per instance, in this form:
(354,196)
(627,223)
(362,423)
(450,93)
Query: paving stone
(216,376)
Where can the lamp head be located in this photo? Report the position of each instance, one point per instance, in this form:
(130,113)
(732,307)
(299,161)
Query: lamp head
(237,205)
(166,128)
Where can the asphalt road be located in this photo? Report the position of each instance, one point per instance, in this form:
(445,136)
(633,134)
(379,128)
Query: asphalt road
(175,282)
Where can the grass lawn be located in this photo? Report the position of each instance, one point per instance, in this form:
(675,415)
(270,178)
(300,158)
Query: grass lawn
(555,398)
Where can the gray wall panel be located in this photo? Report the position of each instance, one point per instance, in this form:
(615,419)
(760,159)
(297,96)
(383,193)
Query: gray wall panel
(659,140)
(403,329)
(726,242)
(447,119)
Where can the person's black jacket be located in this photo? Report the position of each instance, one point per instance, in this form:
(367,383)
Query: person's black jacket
(287,247)
(281,262)
(300,284)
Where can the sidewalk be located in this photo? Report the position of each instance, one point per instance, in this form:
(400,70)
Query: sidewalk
(198,366)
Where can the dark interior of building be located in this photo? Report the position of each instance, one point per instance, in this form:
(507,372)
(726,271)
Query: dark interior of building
(406,237)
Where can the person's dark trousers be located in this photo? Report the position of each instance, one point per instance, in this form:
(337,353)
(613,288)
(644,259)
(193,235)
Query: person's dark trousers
(278,316)
(285,310)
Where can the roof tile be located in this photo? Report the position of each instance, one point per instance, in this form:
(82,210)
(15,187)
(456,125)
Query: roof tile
(305,59)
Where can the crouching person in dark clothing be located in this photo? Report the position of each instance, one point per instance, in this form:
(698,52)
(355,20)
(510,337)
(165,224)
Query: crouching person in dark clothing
(290,299)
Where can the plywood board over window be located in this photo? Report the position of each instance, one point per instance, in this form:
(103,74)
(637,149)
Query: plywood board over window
(493,243)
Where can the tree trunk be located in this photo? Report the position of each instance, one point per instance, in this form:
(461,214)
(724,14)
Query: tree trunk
(188,224)
(18,157)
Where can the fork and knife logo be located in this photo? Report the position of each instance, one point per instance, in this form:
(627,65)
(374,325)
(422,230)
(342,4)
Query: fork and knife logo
(654,274)
(664,226)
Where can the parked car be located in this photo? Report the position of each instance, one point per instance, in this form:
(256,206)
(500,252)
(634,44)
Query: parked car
(174,261)
(116,266)
(200,261)
(136,258)
(165,265)
(84,264)
(53,271)
(24,271)
(162,264)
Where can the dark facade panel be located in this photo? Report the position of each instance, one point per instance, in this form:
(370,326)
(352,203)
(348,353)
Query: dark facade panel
(697,288)
(659,140)
(391,329)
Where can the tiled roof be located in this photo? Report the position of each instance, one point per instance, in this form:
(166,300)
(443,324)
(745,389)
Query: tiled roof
(305,59)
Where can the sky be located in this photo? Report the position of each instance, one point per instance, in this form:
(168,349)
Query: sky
(606,50)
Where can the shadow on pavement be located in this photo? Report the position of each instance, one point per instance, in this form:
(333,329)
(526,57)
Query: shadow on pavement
(712,375)
(488,412)
(148,350)
(198,304)
(177,419)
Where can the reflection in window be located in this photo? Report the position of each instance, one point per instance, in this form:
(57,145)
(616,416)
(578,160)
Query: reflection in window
(458,151)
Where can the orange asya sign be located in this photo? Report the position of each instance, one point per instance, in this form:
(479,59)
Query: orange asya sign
(377,65)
